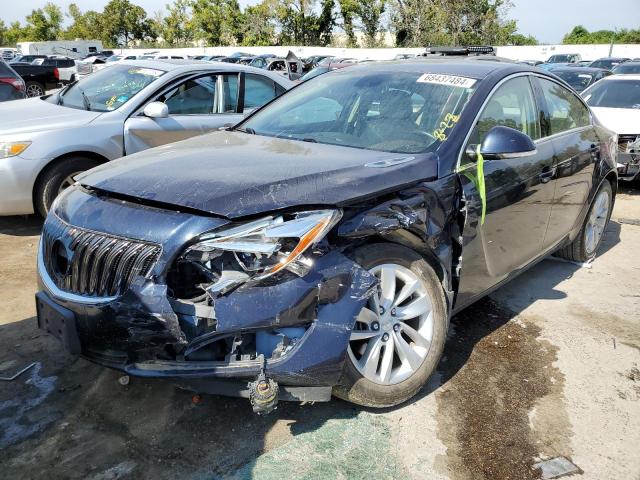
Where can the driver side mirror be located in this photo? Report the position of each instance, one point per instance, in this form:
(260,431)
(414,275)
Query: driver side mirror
(503,143)
(156,110)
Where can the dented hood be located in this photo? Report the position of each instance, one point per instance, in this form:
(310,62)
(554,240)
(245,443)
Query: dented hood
(235,174)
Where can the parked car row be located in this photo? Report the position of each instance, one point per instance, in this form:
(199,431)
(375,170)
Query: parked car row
(129,107)
(318,246)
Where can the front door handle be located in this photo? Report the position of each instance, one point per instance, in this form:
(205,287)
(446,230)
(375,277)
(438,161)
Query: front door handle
(547,174)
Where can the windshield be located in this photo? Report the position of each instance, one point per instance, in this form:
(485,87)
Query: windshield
(606,64)
(614,94)
(114,58)
(107,89)
(559,59)
(578,81)
(392,111)
(626,68)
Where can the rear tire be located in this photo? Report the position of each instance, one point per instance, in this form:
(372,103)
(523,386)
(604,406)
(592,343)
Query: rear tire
(585,245)
(35,89)
(57,177)
(423,335)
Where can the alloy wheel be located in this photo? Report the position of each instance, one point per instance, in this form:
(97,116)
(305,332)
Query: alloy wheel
(67,182)
(597,222)
(393,332)
(34,91)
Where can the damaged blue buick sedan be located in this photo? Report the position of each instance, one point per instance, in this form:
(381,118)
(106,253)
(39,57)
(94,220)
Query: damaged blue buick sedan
(321,246)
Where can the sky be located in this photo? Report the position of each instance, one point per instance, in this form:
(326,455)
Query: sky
(547,20)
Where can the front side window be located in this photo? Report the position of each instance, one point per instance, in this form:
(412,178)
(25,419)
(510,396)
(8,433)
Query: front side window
(258,90)
(565,109)
(195,96)
(107,89)
(511,105)
(614,94)
(391,111)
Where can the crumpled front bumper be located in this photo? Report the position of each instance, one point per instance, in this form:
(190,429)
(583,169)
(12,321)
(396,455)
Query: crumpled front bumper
(141,334)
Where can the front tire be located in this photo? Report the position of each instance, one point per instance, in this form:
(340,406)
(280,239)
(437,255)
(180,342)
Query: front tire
(584,247)
(56,178)
(393,352)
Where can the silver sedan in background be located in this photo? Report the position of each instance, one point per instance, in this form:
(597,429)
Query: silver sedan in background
(123,109)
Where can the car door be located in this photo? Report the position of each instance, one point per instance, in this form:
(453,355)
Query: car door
(258,90)
(519,192)
(196,105)
(576,145)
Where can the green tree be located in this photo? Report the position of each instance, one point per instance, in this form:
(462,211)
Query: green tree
(259,25)
(520,39)
(45,23)
(124,22)
(348,12)
(580,35)
(3,33)
(16,33)
(84,25)
(217,22)
(370,13)
(176,29)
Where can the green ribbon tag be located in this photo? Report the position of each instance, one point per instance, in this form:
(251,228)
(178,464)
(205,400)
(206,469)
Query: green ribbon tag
(481,188)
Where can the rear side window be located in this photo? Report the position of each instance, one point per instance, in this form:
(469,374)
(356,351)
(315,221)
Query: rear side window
(258,90)
(512,105)
(565,109)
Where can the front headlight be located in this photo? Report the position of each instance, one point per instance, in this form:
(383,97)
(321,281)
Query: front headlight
(11,149)
(269,245)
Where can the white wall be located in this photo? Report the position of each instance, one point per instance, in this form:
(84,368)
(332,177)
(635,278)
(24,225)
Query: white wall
(588,52)
(540,52)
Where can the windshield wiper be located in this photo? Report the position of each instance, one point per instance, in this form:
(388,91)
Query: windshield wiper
(310,140)
(85,99)
(248,130)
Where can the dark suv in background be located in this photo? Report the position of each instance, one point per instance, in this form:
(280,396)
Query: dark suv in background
(11,85)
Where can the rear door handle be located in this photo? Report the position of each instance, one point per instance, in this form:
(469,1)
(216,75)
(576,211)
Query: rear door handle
(547,174)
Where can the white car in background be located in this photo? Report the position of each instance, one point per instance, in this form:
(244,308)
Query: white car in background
(126,108)
(615,101)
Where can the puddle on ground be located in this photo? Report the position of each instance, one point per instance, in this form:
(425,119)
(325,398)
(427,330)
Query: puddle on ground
(500,409)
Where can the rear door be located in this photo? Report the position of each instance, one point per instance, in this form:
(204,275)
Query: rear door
(519,193)
(567,125)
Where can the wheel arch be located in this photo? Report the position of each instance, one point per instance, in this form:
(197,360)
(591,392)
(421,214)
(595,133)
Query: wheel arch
(59,159)
(408,239)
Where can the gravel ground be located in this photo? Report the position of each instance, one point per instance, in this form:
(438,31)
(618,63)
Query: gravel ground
(546,366)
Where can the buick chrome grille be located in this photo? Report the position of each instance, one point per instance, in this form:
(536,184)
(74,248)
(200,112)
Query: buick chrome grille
(91,263)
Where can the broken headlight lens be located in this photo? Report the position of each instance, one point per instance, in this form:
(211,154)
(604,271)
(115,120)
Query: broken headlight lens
(269,245)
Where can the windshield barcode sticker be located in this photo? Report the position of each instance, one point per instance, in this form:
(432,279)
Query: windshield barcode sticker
(451,80)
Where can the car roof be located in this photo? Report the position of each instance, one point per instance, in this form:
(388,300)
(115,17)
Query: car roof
(578,69)
(612,58)
(185,66)
(630,76)
(444,65)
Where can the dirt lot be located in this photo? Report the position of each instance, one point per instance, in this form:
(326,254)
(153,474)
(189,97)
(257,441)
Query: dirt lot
(547,366)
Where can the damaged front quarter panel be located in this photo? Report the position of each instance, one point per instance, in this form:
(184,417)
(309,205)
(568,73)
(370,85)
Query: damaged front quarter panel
(423,218)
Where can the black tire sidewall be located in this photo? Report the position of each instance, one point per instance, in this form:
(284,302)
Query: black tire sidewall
(606,186)
(52,177)
(353,386)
